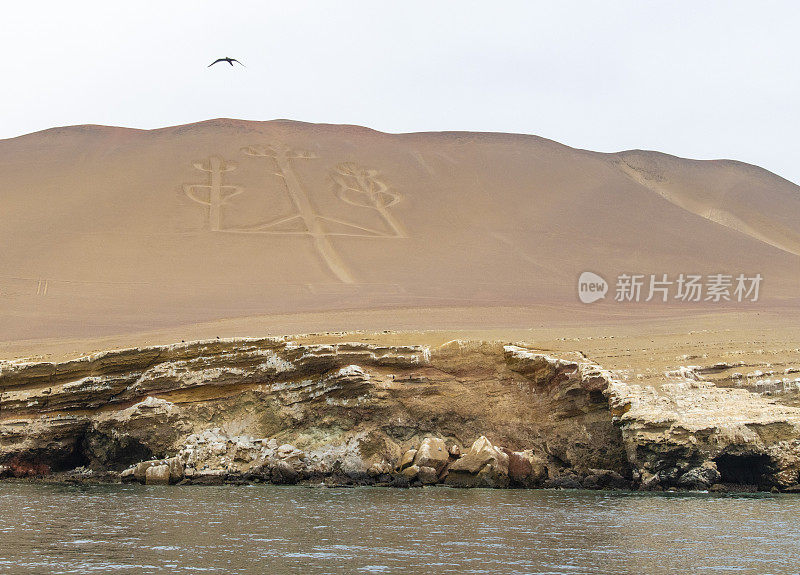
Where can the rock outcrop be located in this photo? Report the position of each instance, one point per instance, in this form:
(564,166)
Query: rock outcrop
(525,469)
(484,465)
(466,414)
(432,453)
(694,435)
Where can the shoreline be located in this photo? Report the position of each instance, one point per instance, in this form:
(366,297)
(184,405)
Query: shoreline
(67,480)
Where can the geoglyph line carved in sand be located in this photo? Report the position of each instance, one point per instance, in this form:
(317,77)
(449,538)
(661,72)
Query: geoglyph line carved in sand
(283,157)
(41,287)
(361,187)
(218,193)
(355,185)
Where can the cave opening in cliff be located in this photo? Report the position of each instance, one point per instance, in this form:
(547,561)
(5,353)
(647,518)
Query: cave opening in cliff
(112,451)
(75,458)
(37,462)
(745,469)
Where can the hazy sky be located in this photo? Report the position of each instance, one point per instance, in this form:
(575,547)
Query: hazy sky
(693,78)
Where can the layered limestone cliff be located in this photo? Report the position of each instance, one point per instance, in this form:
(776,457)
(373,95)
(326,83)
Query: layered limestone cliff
(463,414)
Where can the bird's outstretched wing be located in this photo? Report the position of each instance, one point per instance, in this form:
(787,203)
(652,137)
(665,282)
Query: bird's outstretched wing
(237,61)
(218,60)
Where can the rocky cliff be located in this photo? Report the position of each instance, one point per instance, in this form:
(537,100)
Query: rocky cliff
(466,413)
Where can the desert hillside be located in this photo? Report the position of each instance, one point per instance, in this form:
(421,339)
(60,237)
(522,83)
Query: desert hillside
(110,230)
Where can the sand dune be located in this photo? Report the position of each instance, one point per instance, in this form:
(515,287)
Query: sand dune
(111,230)
(744,198)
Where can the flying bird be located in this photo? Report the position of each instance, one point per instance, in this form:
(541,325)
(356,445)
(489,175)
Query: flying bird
(228,60)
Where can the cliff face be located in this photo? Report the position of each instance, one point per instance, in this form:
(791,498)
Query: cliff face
(466,413)
(693,434)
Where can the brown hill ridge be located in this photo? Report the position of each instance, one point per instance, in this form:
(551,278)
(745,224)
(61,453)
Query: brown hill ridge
(112,230)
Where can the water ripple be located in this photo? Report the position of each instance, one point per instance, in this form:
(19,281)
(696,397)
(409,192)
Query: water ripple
(135,529)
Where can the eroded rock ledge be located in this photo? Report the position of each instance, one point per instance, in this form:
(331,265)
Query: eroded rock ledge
(466,414)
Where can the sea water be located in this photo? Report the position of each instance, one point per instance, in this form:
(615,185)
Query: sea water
(270,529)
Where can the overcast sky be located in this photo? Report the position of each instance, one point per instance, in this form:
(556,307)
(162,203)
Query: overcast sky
(692,78)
